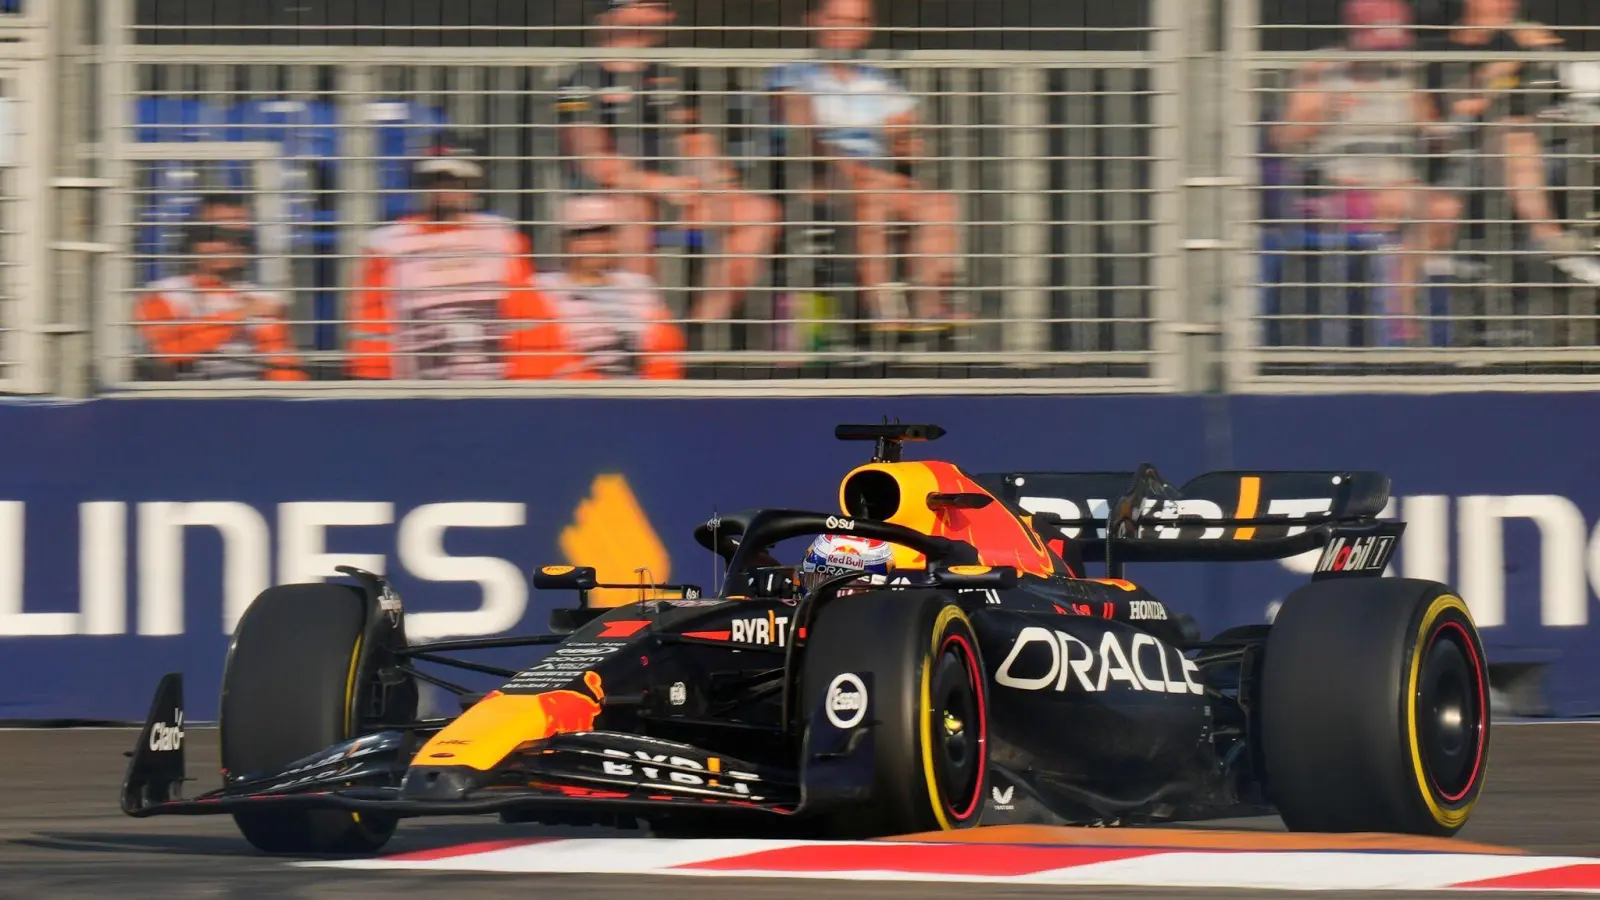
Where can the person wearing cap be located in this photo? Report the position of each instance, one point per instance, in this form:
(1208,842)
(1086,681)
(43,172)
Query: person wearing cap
(599,319)
(438,287)
(629,129)
(211,323)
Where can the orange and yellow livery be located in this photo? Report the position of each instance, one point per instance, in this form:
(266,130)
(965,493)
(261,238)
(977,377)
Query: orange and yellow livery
(898,493)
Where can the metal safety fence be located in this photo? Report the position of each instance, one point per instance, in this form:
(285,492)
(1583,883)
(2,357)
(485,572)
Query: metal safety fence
(775,215)
(1020,240)
(25,127)
(1422,201)
(808,196)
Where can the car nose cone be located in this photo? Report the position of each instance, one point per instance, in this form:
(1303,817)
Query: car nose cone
(438,783)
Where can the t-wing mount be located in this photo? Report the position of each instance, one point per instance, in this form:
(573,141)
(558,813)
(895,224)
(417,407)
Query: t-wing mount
(888,437)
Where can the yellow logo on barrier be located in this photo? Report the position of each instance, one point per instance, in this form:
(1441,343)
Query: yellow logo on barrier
(611,532)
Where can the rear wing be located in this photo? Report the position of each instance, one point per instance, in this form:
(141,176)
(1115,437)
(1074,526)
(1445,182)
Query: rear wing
(1229,516)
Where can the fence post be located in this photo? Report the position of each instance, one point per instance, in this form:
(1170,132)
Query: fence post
(117,87)
(1238,111)
(1028,212)
(26,85)
(359,204)
(68,213)
(1208,237)
(1171,295)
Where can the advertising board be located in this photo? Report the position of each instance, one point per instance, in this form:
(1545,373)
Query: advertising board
(134,532)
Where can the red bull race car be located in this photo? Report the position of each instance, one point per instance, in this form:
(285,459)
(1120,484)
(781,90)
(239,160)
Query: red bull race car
(931,656)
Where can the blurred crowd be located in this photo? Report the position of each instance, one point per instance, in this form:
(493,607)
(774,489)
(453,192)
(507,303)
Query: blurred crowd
(1400,154)
(450,291)
(1392,148)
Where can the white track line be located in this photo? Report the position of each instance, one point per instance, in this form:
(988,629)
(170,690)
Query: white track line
(1299,871)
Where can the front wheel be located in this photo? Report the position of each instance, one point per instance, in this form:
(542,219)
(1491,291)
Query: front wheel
(928,708)
(1375,708)
(289,689)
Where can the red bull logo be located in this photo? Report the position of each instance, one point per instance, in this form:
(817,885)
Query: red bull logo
(835,553)
(568,711)
(501,722)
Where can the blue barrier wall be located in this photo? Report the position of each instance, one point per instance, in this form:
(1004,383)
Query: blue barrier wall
(130,531)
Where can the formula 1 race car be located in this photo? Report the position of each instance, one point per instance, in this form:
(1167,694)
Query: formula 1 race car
(984,680)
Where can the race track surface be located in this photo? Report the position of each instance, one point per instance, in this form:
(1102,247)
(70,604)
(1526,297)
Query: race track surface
(61,835)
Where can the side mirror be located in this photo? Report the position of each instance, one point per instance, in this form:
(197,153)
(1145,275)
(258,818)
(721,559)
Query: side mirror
(981,577)
(564,578)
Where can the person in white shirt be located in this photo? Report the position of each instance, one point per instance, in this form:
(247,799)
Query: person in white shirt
(863,120)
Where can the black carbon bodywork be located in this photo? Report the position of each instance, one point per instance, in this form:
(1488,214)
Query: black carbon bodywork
(1105,706)
(1075,736)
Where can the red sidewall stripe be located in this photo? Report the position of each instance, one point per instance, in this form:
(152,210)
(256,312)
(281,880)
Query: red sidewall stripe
(1479,702)
(974,678)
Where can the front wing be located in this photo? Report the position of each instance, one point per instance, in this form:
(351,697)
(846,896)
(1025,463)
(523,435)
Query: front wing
(391,801)
(575,776)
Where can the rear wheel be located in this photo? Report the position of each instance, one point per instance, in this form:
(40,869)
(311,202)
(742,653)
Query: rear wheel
(928,706)
(289,690)
(1375,708)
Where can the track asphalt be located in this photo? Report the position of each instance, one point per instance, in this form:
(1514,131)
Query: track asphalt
(62,835)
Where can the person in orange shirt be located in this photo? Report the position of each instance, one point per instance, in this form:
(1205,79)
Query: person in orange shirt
(438,288)
(603,320)
(212,323)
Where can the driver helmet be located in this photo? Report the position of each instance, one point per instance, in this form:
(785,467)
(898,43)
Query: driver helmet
(831,555)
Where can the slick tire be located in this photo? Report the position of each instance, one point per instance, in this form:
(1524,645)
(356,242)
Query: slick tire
(288,690)
(1374,708)
(927,705)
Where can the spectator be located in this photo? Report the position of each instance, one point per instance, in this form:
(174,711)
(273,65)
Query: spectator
(212,323)
(606,321)
(863,120)
(437,287)
(1358,126)
(1466,95)
(227,210)
(619,118)
(231,212)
